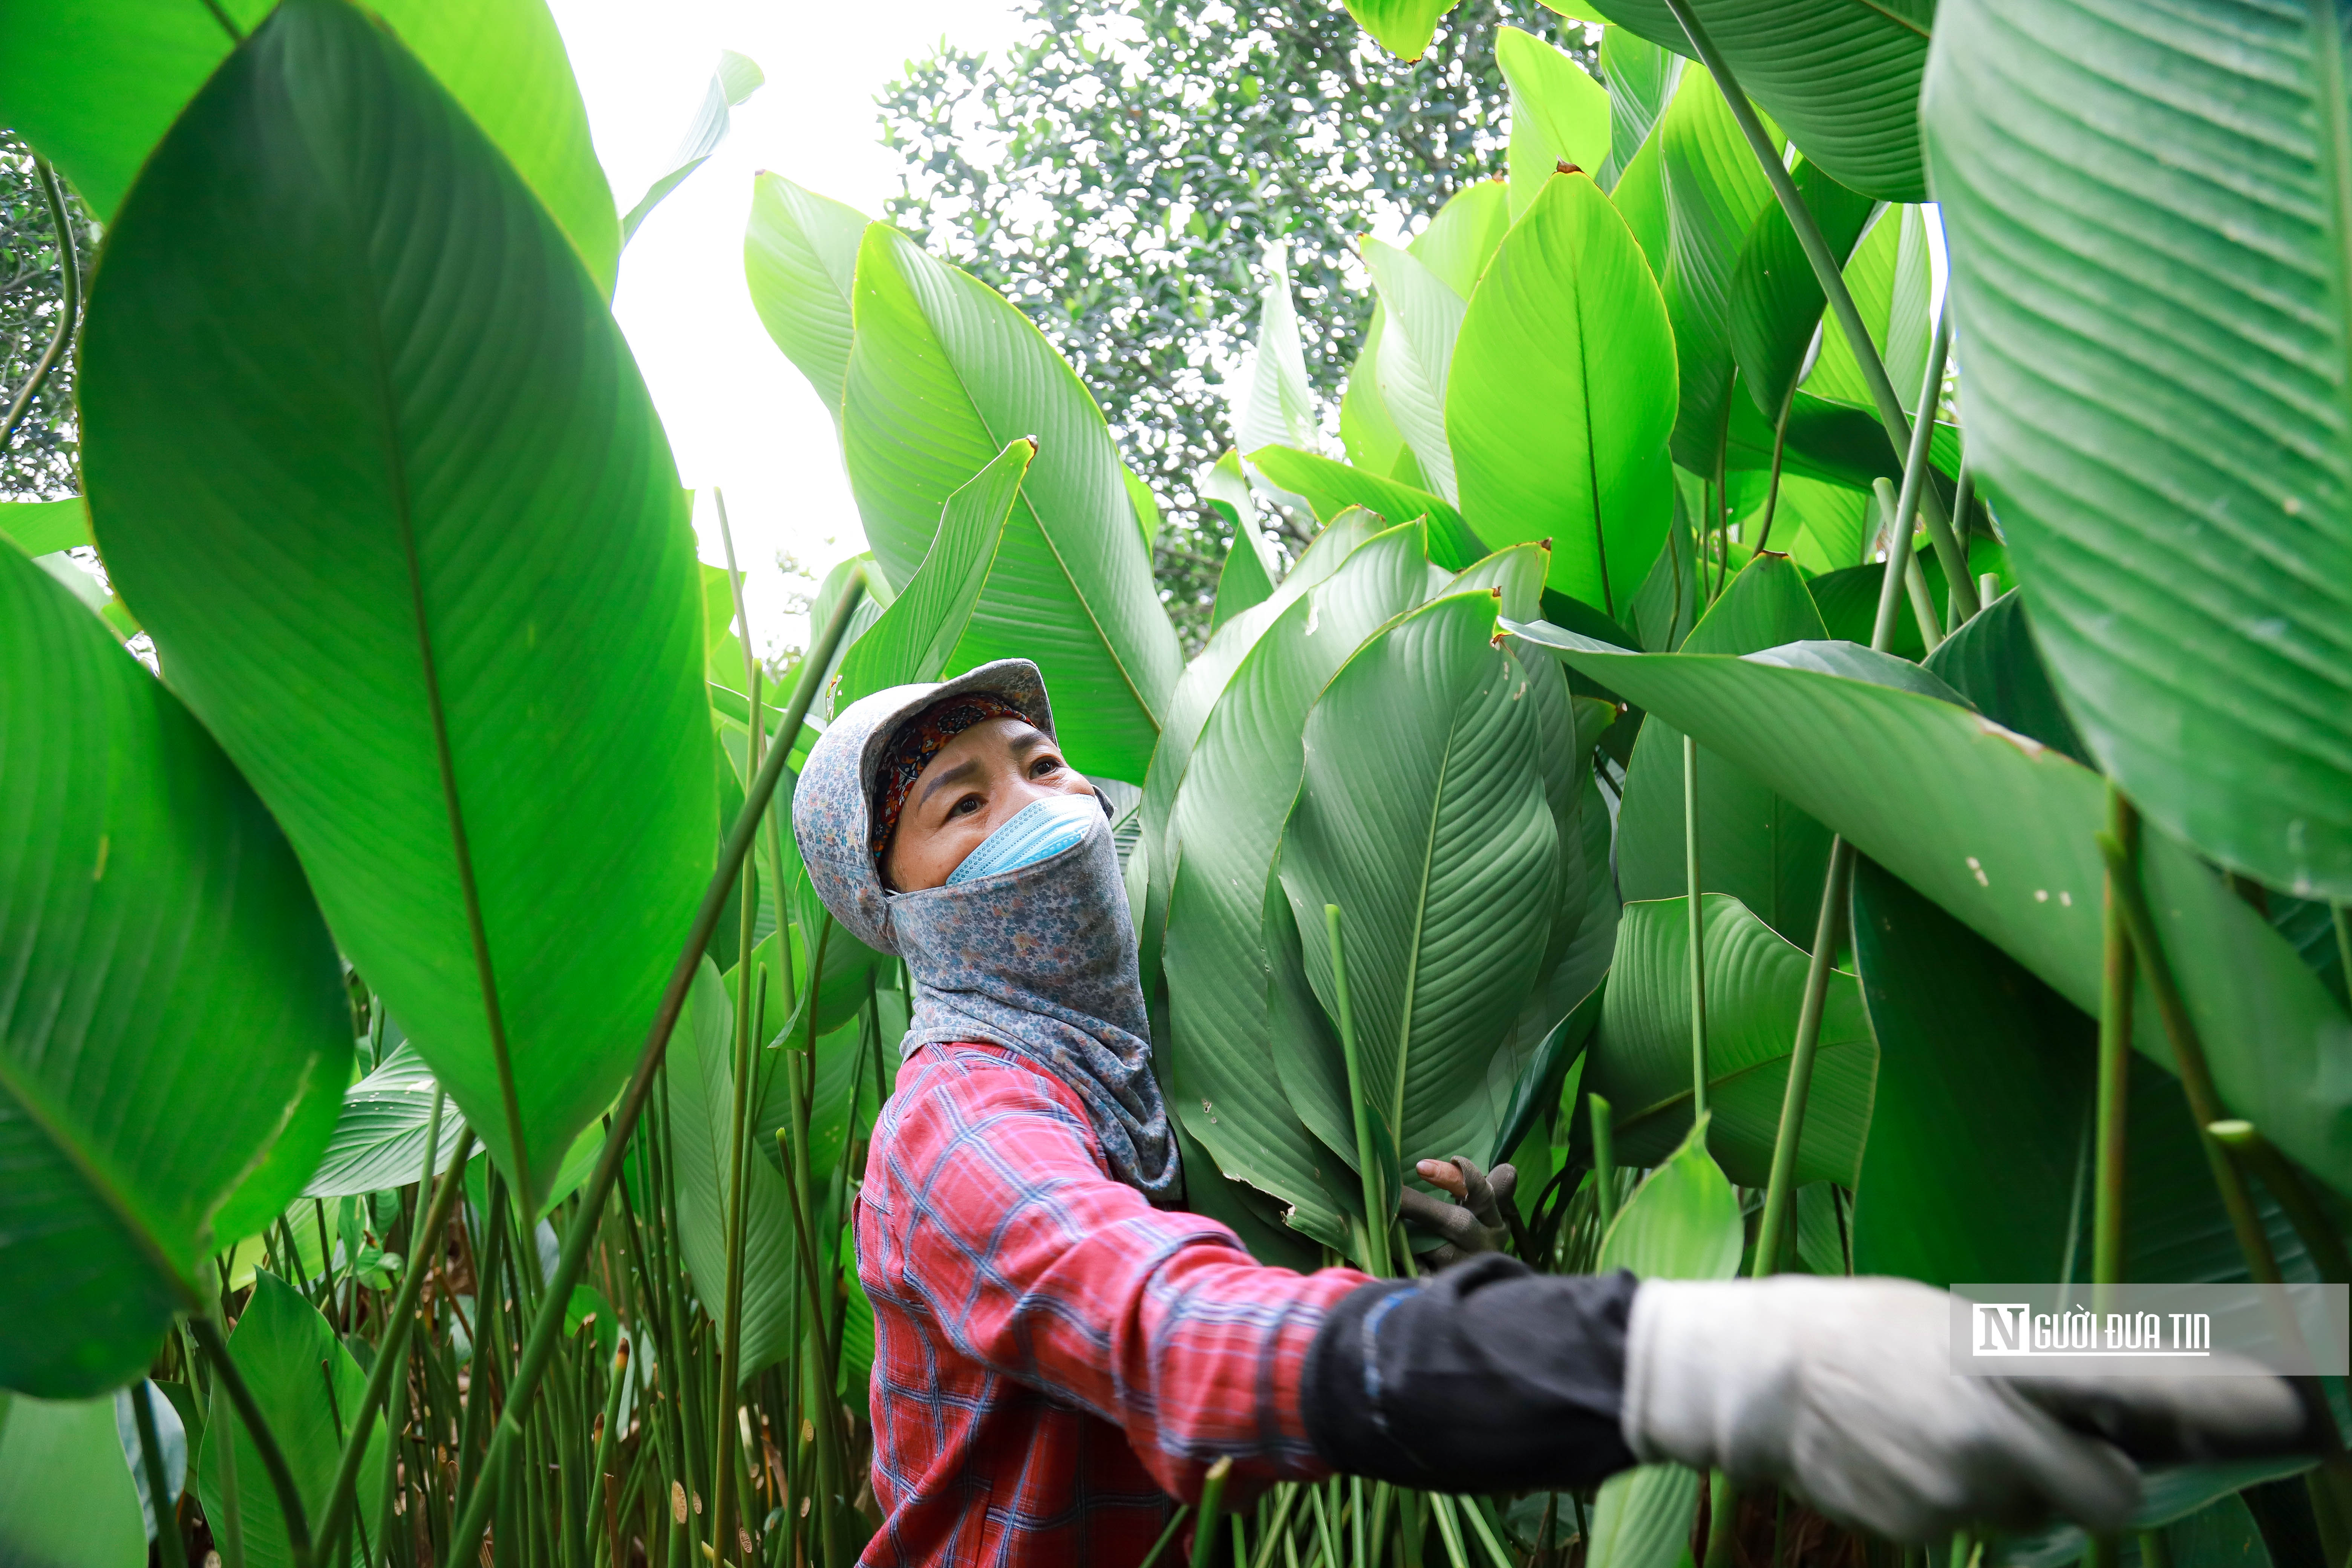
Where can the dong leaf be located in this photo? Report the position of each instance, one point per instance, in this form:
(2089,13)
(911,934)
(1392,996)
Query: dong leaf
(1422,815)
(1235,791)
(1422,318)
(1889,277)
(1776,301)
(1562,393)
(1715,192)
(379,1142)
(1245,580)
(1641,1060)
(918,636)
(309,1389)
(369,455)
(943,373)
(1332,488)
(1753,843)
(2000,832)
(1641,77)
(699,1076)
(155,930)
(43,526)
(1994,663)
(799,257)
(1404,27)
(2149,234)
(1461,239)
(1682,1223)
(1842,76)
(1967,1040)
(66,1499)
(1559,115)
(736,77)
(96,85)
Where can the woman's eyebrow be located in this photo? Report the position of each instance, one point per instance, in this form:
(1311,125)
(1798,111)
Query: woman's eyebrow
(960,774)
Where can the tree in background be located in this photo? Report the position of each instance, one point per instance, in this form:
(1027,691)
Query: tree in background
(1120,172)
(38,459)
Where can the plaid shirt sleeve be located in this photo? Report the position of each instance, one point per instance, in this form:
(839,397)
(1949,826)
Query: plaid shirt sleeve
(1030,1259)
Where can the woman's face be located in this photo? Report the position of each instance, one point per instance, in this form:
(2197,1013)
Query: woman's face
(974,786)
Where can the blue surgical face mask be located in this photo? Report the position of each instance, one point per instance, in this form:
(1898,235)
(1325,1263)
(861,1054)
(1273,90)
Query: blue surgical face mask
(1039,831)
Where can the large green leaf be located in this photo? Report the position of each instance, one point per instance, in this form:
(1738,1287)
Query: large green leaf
(66,1499)
(799,257)
(698,1074)
(379,1141)
(307,1387)
(1559,115)
(1461,239)
(369,455)
(1715,192)
(736,77)
(1332,488)
(1422,815)
(918,635)
(1247,579)
(42,527)
(1974,1137)
(1236,789)
(1753,843)
(1204,679)
(1842,76)
(1889,277)
(2000,831)
(1967,1038)
(1562,394)
(2151,240)
(1641,77)
(1994,663)
(1641,1060)
(1422,316)
(96,84)
(1776,299)
(155,929)
(1402,26)
(943,373)
(1682,1223)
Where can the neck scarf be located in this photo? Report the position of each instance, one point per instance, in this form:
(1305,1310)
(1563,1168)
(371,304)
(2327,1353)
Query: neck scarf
(1040,959)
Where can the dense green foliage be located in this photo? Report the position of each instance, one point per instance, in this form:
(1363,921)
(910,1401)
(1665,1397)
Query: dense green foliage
(1612,780)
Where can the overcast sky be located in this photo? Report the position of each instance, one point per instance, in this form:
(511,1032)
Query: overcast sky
(738,416)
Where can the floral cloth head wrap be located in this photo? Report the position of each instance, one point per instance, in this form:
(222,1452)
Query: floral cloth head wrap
(1040,960)
(916,743)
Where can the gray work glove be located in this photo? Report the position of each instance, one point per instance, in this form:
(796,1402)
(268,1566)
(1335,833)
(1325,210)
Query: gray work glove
(1841,1391)
(1473,1221)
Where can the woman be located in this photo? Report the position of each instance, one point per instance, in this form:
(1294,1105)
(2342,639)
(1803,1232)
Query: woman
(1059,1346)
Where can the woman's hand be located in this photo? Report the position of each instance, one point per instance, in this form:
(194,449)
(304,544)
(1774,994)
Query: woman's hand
(1473,1221)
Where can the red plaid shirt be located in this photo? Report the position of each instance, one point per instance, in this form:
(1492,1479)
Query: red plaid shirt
(1052,1355)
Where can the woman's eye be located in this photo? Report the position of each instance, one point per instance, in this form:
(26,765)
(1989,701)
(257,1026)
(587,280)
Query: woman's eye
(965,806)
(1044,766)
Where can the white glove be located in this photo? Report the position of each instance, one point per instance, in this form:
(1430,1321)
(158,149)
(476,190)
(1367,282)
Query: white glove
(1841,1391)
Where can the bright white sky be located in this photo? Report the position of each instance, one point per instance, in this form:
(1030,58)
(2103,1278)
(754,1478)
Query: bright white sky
(738,416)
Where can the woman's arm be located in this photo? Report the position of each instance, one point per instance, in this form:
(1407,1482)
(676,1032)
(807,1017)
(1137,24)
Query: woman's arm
(989,1213)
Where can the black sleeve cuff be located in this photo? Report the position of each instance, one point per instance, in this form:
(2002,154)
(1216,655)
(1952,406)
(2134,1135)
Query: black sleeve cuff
(1486,1377)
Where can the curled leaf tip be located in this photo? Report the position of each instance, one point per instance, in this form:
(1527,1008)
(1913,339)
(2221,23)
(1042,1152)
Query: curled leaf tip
(1496,592)
(1544,544)
(1565,167)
